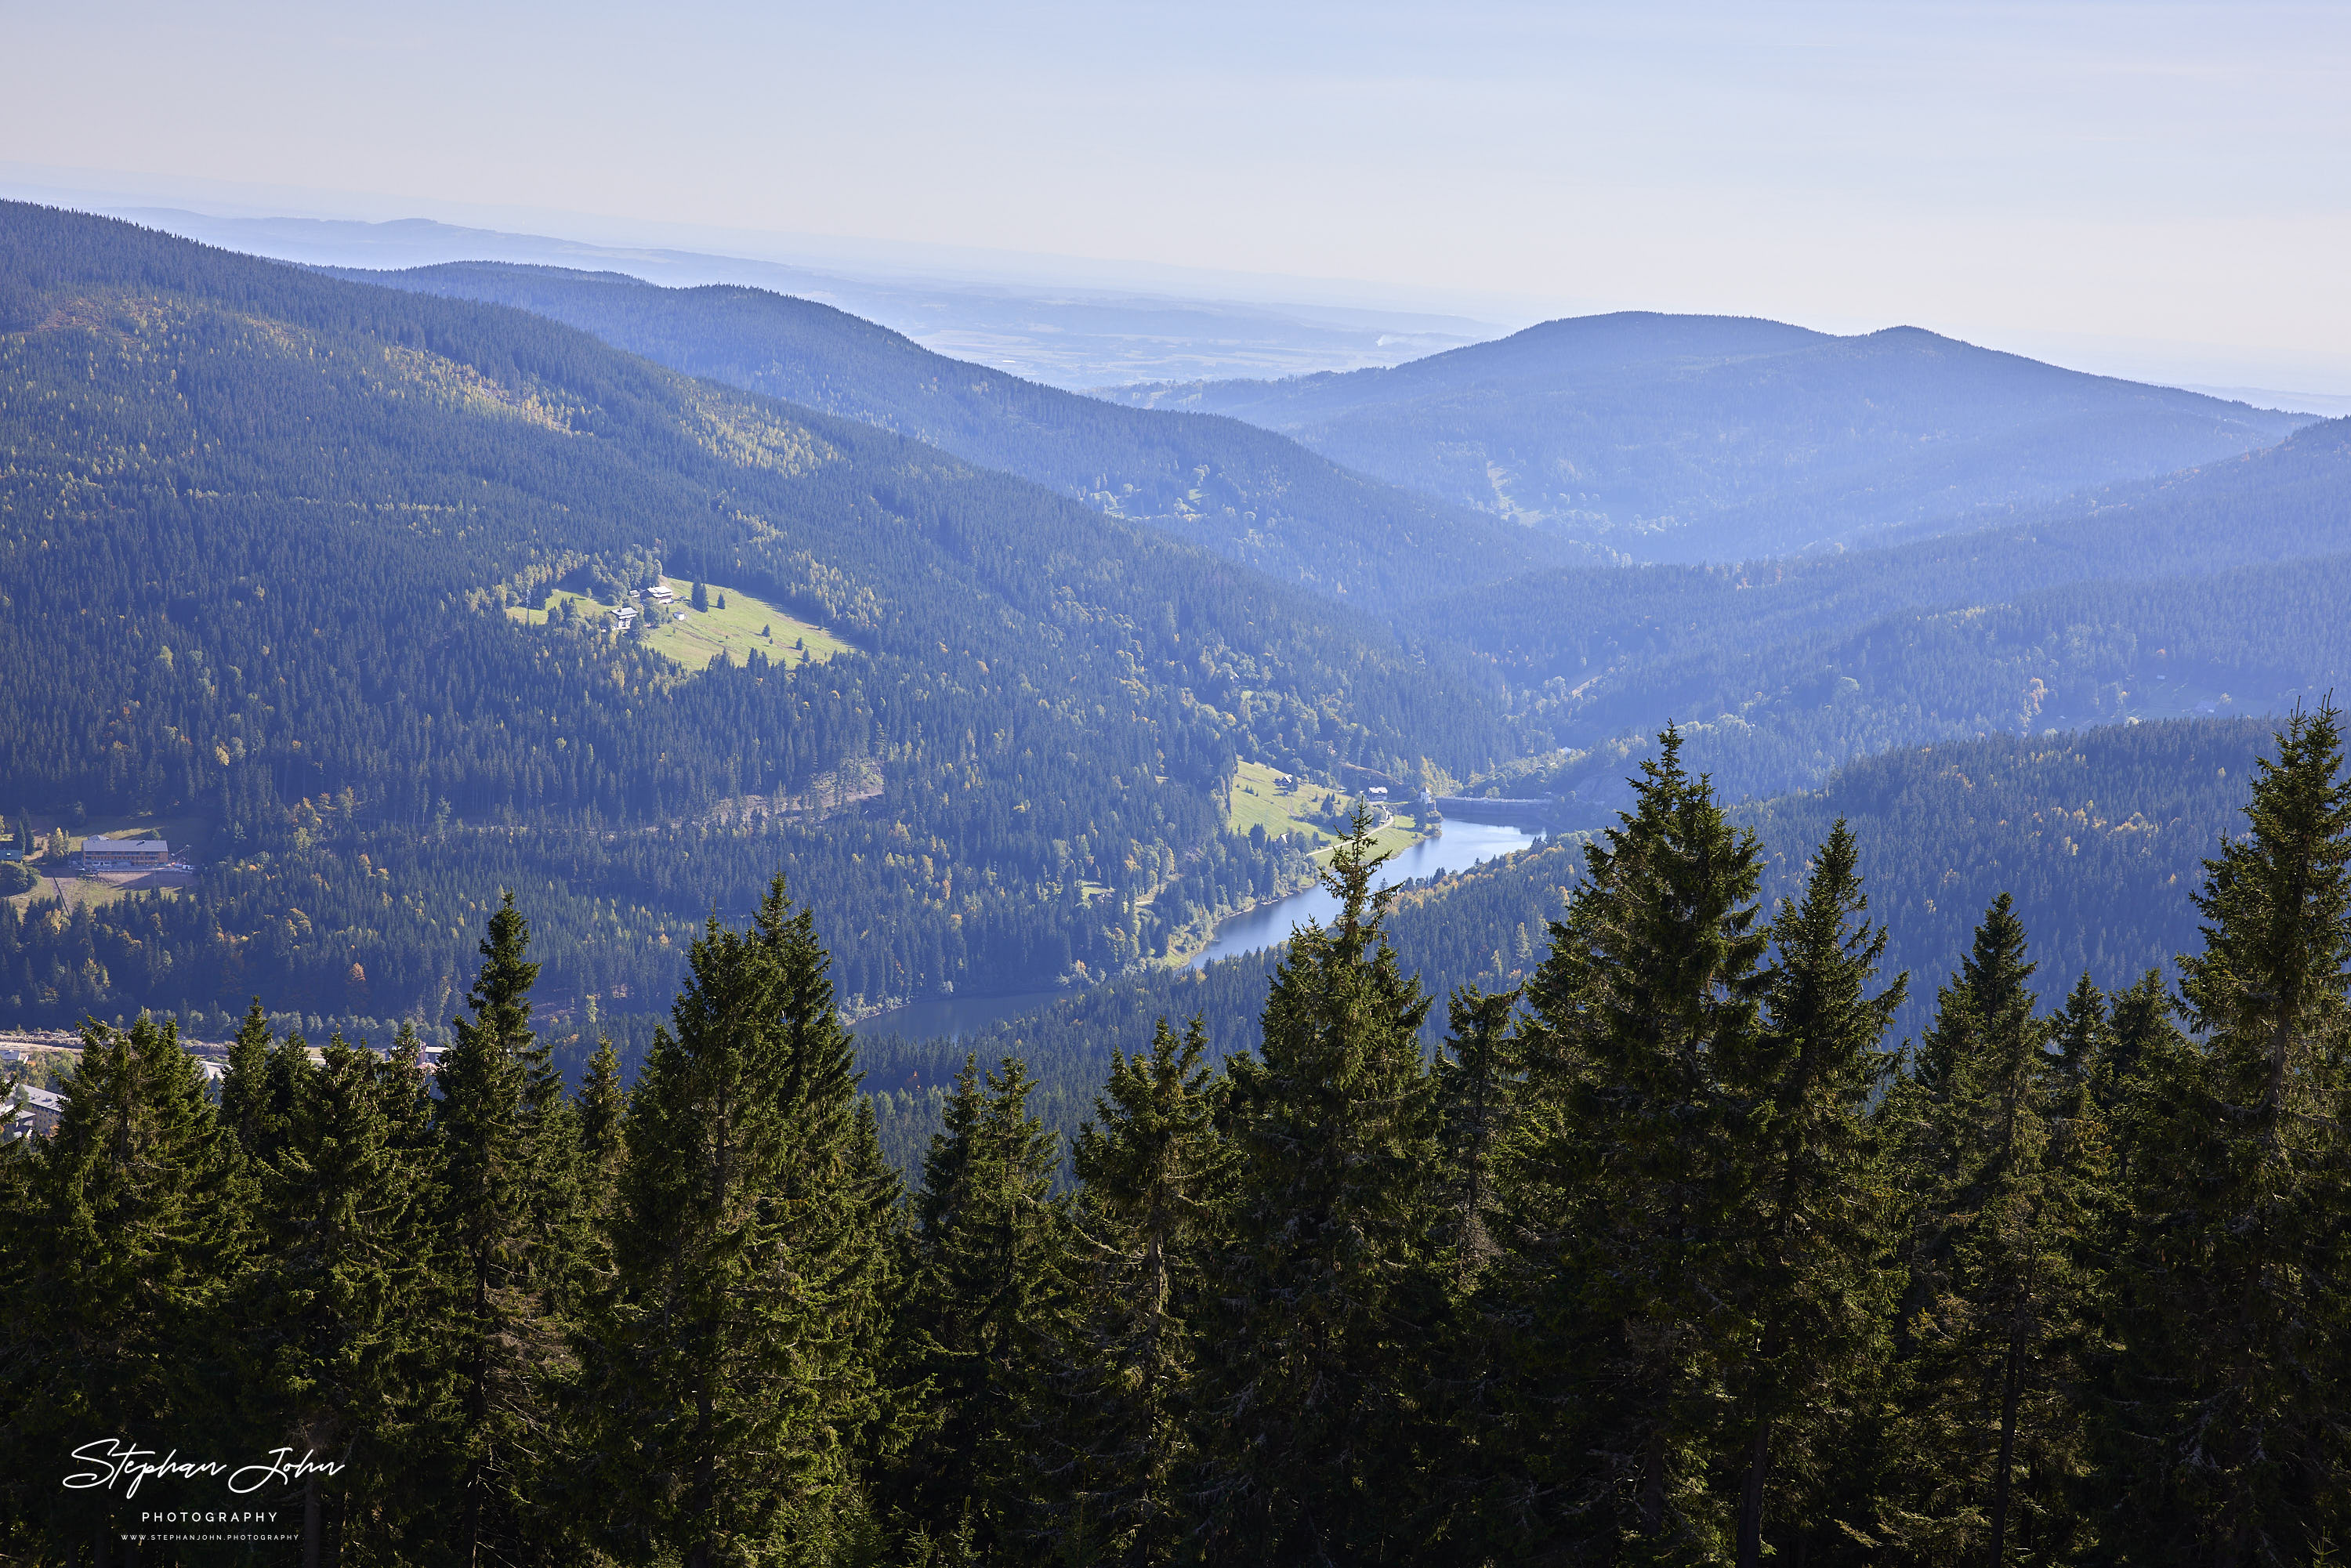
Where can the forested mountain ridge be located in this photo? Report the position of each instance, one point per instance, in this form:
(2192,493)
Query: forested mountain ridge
(1677,438)
(2283,503)
(2146,600)
(1246,493)
(2255,640)
(257,527)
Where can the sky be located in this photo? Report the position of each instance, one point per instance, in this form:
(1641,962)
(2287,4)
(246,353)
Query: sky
(2159,190)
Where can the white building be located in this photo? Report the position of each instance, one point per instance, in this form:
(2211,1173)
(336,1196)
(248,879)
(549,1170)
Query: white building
(124,854)
(31,1112)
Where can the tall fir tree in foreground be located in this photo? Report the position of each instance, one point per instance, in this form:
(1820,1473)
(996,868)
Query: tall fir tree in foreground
(2230,1423)
(1477,1092)
(130,1223)
(1812,1280)
(733,1394)
(340,1363)
(1628,1183)
(255,1090)
(988,1305)
(603,1111)
(508,1219)
(1153,1175)
(1324,1282)
(2004,1207)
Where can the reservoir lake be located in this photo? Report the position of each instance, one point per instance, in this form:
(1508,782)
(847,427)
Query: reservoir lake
(1461,846)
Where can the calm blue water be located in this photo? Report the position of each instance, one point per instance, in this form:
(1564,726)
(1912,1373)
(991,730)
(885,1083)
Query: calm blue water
(1461,846)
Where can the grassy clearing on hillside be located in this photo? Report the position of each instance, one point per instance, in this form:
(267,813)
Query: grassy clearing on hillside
(582,606)
(1257,802)
(70,890)
(703,637)
(188,836)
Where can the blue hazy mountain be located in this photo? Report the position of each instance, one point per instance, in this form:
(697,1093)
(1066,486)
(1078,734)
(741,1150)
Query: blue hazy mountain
(2216,589)
(1247,494)
(1067,324)
(328,576)
(1725,438)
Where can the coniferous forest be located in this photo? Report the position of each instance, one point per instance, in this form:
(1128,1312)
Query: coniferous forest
(1672,1253)
(265,540)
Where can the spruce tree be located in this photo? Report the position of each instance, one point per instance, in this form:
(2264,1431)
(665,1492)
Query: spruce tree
(265,1077)
(2079,1038)
(2141,1026)
(1625,1188)
(989,1304)
(1328,1278)
(1476,1088)
(2147,1075)
(130,1234)
(2005,1207)
(604,1107)
(246,1097)
(508,1223)
(874,1196)
(2230,1436)
(337,1309)
(601,1110)
(1816,1208)
(734,1379)
(1479,1086)
(1152,1172)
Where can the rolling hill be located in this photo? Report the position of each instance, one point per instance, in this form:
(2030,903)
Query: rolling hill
(1693,438)
(2209,591)
(1244,493)
(263,540)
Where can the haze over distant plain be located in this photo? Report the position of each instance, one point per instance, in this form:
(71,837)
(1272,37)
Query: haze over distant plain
(2157,190)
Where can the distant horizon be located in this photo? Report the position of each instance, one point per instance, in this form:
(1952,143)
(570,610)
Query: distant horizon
(2212,371)
(2145,188)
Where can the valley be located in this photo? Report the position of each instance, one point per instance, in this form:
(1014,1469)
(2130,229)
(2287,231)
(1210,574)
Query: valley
(1013,728)
(1176,787)
(689,640)
(1244,493)
(1008,733)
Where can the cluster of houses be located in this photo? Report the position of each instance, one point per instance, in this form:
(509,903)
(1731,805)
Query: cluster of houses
(659,593)
(30,1112)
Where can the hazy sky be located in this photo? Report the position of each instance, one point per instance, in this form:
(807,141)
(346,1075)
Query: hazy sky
(2130,179)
